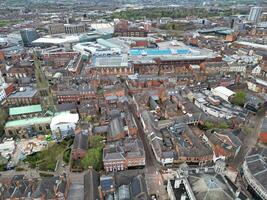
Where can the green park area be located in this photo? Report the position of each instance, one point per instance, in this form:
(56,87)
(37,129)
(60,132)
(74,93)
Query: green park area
(46,160)
(182,12)
(4,22)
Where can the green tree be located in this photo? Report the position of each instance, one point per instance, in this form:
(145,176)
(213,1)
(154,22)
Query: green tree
(239,98)
(93,158)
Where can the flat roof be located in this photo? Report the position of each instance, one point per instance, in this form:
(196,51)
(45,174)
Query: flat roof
(111,61)
(158,52)
(25,110)
(26,92)
(28,122)
(251,44)
(56,40)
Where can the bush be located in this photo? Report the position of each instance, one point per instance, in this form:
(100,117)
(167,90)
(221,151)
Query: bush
(45,175)
(19,169)
(66,156)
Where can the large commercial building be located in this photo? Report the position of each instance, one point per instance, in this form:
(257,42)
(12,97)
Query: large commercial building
(66,28)
(28,36)
(254,14)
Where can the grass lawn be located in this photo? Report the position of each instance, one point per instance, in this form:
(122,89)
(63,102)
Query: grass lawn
(46,160)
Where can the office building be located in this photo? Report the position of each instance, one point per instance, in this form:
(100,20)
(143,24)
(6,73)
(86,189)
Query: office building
(28,36)
(254,14)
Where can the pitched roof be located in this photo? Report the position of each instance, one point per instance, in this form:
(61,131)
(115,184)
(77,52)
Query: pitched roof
(81,140)
(91,183)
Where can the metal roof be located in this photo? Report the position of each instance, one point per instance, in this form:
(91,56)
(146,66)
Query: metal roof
(28,122)
(25,110)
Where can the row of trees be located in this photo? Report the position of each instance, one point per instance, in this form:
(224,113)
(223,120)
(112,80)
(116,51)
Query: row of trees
(154,13)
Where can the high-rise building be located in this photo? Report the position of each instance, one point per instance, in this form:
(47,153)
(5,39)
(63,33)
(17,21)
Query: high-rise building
(28,36)
(254,14)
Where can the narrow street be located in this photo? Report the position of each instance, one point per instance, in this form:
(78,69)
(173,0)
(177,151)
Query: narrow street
(152,175)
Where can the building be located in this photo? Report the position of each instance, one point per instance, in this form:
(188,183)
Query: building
(263,131)
(7,148)
(255,14)
(23,112)
(202,184)
(28,127)
(116,129)
(223,143)
(223,93)
(24,96)
(111,65)
(80,144)
(91,184)
(255,172)
(56,28)
(74,28)
(28,36)
(63,124)
(124,28)
(23,187)
(73,93)
(121,155)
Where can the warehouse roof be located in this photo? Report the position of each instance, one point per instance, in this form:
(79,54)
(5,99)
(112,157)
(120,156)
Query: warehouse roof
(25,110)
(28,122)
(223,90)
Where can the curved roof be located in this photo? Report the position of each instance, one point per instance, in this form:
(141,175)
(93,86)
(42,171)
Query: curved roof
(64,117)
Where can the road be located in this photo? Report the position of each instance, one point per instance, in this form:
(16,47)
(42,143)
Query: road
(153,177)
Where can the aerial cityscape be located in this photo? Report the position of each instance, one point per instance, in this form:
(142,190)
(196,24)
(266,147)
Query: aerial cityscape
(133,100)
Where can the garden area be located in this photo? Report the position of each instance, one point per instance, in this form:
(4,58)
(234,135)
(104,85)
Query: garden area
(46,160)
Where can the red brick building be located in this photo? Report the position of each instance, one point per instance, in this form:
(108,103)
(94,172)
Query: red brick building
(123,154)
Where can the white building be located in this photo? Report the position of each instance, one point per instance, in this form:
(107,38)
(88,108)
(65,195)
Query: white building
(254,14)
(7,148)
(63,123)
(222,92)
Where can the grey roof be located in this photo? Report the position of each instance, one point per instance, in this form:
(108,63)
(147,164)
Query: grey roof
(91,183)
(100,129)
(124,192)
(27,92)
(114,156)
(215,138)
(115,127)
(138,188)
(208,186)
(49,185)
(66,107)
(127,148)
(264,125)
(111,61)
(81,140)
(257,165)
(20,187)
